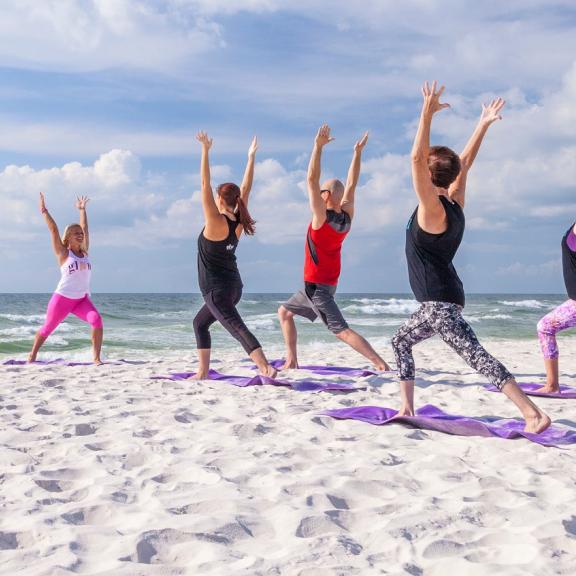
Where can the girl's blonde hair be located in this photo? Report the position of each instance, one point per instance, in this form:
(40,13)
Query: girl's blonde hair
(68,231)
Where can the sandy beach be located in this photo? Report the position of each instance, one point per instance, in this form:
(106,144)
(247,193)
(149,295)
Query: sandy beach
(108,472)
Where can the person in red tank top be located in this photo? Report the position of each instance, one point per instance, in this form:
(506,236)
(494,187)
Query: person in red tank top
(332,206)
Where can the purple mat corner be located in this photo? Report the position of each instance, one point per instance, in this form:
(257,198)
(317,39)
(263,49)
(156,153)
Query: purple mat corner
(244,381)
(566,392)
(431,418)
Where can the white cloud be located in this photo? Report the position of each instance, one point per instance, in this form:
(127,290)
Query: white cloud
(90,35)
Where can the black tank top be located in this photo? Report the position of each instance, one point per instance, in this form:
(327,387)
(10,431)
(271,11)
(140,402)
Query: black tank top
(569,266)
(217,267)
(433,277)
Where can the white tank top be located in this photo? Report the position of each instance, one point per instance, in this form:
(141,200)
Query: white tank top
(75,280)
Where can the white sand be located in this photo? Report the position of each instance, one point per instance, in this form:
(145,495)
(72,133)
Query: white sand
(104,471)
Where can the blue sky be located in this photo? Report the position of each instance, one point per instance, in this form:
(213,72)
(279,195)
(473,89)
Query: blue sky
(103,97)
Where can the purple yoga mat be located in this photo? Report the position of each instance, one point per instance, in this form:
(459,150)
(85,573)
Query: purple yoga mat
(327,370)
(431,418)
(62,362)
(530,390)
(243,381)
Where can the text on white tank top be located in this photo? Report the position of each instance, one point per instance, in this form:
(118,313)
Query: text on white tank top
(75,277)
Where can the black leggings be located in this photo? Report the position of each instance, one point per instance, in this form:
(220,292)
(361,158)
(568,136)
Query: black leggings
(446,320)
(220,304)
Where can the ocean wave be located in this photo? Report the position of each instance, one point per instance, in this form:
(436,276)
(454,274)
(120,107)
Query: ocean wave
(523,303)
(262,321)
(383,306)
(375,322)
(28,318)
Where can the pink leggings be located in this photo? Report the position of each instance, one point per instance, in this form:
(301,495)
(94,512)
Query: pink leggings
(59,307)
(562,317)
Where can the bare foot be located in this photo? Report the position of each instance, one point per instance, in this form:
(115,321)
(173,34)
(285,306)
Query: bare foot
(269,371)
(549,389)
(201,375)
(405,411)
(290,364)
(31,359)
(98,362)
(537,424)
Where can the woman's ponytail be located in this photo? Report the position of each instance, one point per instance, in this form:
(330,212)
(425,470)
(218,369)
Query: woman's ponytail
(245,219)
(230,193)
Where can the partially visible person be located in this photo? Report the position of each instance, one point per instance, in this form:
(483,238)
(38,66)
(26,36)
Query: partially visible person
(562,317)
(72,295)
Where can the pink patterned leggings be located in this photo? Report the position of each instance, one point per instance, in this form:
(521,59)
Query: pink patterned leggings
(562,317)
(59,307)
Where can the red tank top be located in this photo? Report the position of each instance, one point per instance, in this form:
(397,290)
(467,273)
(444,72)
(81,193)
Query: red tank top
(323,248)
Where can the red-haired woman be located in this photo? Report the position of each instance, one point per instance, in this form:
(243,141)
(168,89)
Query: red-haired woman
(226,217)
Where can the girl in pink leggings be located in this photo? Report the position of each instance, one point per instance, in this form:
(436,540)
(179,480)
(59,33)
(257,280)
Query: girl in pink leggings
(562,317)
(73,290)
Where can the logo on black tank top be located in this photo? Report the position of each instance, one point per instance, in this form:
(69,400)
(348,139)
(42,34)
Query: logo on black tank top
(230,247)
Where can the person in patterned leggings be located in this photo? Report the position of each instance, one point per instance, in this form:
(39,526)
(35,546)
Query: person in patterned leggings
(562,317)
(433,235)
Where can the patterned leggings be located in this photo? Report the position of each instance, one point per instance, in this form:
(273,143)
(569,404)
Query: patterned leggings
(562,317)
(445,319)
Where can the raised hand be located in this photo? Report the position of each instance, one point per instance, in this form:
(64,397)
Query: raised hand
(253,147)
(81,202)
(359,146)
(432,102)
(43,208)
(491,112)
(323,136)
(203,138)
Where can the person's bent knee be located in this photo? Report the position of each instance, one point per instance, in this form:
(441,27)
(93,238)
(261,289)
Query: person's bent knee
(284,313)
(95,320)
(342,333)
(397,341)
(544,327)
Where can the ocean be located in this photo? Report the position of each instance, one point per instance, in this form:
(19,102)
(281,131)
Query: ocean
(159,325)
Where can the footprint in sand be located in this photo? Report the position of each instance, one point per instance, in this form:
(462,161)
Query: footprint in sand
(315,526)
(84,429)
(43,412)
(53,383)
(442,549)
(15,540)
(186,417)
(152,545)
(54,485)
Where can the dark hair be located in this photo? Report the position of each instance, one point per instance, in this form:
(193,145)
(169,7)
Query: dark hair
(444,165)
(230,193)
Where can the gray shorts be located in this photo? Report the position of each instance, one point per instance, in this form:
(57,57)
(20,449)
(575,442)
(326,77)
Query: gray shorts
(317,300)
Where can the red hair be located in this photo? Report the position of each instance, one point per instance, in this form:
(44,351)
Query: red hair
(231,194)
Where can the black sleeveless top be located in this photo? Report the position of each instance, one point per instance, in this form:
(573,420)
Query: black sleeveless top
(433,277)
(217,267)
(569,266)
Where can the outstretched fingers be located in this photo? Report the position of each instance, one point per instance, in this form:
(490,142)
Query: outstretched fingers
(362,142)
(204,139)
(253,146)
(42,203)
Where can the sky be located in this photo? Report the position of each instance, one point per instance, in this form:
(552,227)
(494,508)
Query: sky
(104,98)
